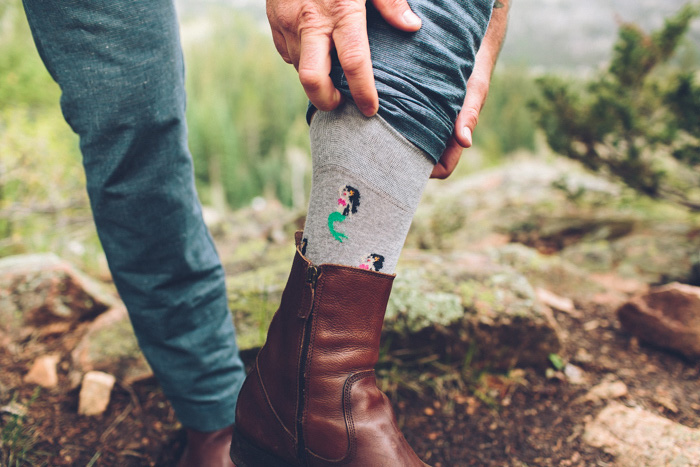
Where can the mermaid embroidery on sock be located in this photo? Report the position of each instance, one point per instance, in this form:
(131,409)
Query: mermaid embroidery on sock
(348,202)
(304,244)
(373,262)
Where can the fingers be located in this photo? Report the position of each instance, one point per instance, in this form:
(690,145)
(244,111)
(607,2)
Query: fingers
(477,90)
(448,161)
(398,14)
(352,45)
(465,124)
(314,68)
(304,32)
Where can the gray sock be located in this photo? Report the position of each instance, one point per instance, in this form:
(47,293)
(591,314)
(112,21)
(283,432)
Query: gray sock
(367,181)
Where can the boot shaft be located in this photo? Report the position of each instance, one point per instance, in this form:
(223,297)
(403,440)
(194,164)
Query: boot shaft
(311,399)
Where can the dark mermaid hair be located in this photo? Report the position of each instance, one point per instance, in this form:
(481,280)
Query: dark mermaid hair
(378,261)
(354,200)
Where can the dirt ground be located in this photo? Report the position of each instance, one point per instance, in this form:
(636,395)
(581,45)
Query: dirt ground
(451,415)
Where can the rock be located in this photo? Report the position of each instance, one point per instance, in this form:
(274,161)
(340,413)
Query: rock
(609,388)
(42,289)
(667,317)
(473,307)
(574,374)
(14,408)
(555,302)
(558,207)
(110,345)
(95,393)
(638,438)
(476,309)
(514,198)
(663,254)
(548,272)
(43,371)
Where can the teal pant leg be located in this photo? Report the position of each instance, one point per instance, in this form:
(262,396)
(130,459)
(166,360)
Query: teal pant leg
(119,65)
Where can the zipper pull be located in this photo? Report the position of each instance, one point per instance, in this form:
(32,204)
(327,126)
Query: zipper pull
(307,300)
(312,276)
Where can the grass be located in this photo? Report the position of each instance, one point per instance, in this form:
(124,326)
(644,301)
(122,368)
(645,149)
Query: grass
(18,438)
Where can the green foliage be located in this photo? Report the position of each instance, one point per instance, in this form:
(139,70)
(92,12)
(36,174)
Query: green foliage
(23,79)
(246,109)
(638,121)
(17,440)
(505,124)
(556,361)
(43,205)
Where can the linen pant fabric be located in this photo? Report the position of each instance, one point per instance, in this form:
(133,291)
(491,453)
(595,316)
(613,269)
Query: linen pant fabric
(119,65)
(422,76)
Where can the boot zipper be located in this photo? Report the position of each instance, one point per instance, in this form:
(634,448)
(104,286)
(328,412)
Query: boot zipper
(311,278)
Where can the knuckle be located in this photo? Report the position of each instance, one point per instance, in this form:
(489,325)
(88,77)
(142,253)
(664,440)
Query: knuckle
(312,80)
(280,17)
(309,17)
(396,4)
(352,55)
(341,8)
(471,115)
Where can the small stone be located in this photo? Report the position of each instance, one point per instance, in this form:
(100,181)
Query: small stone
(14,408)
(95,393)
(665,399)
(583,356)
(556,302)
(609,388)
(43,371)
(575,374)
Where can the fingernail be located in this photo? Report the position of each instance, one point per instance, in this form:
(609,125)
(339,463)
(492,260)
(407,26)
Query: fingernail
(368,110)
(411,18)
(467,133)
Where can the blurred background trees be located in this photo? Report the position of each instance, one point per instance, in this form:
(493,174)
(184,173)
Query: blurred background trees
(638,120)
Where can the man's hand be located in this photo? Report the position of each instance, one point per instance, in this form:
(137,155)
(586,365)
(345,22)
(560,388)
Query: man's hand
(305,31)
(477,90)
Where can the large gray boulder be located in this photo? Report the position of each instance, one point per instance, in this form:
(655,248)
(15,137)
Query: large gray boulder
(525,195)
(557,207)
(467,307)
(460,305)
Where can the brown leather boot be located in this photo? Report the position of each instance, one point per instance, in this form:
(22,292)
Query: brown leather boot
(207,449)
(311,398)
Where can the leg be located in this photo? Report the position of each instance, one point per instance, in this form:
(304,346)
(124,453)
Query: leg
(385,174)
(312,399)
(120,68)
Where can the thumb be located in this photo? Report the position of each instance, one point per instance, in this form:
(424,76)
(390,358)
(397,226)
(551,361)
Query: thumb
(477,90)
(398,14)
(465,125)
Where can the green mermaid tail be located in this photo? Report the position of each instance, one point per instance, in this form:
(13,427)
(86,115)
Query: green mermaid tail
(332,219)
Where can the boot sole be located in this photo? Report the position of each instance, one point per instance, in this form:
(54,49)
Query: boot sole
(246,454)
